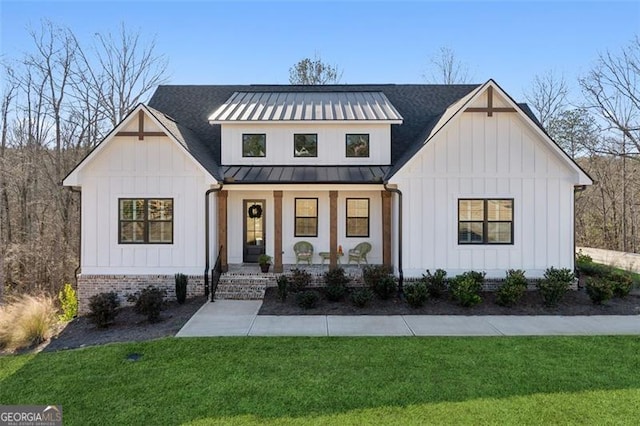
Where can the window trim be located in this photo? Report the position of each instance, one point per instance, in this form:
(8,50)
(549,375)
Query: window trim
(294,145)
(346,145)
(146,221)
(265,145)
(347,217)
(485,222)
(295,217)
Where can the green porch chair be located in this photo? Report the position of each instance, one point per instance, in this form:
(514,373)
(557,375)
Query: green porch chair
(359,253)
(303,251)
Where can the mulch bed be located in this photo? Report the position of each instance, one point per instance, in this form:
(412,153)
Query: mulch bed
(574,303)
(128,326)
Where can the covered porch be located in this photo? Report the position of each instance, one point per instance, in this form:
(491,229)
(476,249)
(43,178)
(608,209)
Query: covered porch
(332,219)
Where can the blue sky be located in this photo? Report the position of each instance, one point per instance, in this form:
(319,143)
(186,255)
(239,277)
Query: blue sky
(210,42)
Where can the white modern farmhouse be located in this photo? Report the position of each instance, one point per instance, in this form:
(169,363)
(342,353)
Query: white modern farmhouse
(457,177)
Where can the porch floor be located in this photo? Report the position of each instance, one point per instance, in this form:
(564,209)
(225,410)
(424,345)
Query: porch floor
(313,269)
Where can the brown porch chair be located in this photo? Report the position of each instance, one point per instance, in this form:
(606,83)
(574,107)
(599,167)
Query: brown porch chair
(359,253)
(303,251)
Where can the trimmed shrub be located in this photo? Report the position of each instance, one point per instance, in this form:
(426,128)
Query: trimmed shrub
(68,302)
(181,288)
(299,280)
(436,283)
(582,258)
(308,299)
(594,269)
(555,274)
(478,277)
(149,302)
(599,289)
(26,321)
(337,283)
(336,277)
(361,297)
(386,287)
(283,287)
(513,288)
(379,279)
(555,284)
(371,274)
(335,292)
(621,283)
(416,294)
(103,309)
(465,289)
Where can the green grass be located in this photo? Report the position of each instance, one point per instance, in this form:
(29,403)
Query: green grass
(546,380)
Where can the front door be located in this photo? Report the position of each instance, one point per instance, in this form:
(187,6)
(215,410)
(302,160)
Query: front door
(254,236)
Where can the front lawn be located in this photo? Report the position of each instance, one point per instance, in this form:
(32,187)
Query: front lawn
(521,380)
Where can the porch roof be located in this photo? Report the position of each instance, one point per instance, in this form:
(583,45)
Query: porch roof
(304,174)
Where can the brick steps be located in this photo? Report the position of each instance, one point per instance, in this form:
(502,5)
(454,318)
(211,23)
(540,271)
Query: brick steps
(244,287)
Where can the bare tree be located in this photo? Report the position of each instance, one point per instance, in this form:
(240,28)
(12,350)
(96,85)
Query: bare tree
(8,94)
(612,90)
(447,68)
(63,98)
(314,71)
(547,96)
(131,70)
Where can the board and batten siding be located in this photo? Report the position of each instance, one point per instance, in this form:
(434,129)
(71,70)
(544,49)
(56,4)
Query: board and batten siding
(151,168)
(475,156)
(321,242)
(331,143)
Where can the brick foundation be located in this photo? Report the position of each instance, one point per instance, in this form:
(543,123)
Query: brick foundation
(125,285)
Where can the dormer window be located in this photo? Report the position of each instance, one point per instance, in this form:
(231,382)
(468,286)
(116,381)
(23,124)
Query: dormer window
(305,145)
(254,145)
(358,145)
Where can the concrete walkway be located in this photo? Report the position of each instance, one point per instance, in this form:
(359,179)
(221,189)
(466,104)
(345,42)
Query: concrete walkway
(240,318)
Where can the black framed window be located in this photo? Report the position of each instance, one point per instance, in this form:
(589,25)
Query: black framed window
(254,145)
(357,217)
(306,217)
(485,221)
(305,145)
(357,145)
(145,220)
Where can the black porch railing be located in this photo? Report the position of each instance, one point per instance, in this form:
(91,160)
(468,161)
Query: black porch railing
(215,275)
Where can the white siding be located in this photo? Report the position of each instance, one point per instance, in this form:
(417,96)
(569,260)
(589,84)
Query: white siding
(331,143)
(476,156)
(151,168)
(321,242)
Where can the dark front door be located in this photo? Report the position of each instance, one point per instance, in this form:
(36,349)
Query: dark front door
(254,235)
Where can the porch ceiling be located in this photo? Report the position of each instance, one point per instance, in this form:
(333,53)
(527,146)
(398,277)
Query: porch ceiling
(304,174)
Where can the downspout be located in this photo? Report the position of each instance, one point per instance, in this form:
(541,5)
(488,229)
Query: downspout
(400,272)
(207,263)
(75,272)
(576,189)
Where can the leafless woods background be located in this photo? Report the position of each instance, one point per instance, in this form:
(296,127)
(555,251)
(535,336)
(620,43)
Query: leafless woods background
(60,99)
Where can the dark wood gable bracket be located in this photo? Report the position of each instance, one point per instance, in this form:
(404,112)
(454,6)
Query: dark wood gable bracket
(141,133)
(490,109)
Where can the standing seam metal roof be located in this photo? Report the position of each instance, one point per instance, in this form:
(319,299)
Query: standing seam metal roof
(306,106)
(419,104)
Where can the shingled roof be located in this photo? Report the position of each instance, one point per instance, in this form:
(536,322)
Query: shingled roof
(420,105)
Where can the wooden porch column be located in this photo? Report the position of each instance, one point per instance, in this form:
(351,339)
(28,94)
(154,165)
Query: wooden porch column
(333,229)
(386,228)
(222,229)
(277,230)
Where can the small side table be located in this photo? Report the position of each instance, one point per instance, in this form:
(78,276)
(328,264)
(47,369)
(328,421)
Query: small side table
(325,255)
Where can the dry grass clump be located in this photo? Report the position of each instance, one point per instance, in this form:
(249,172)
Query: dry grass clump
(26,320)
